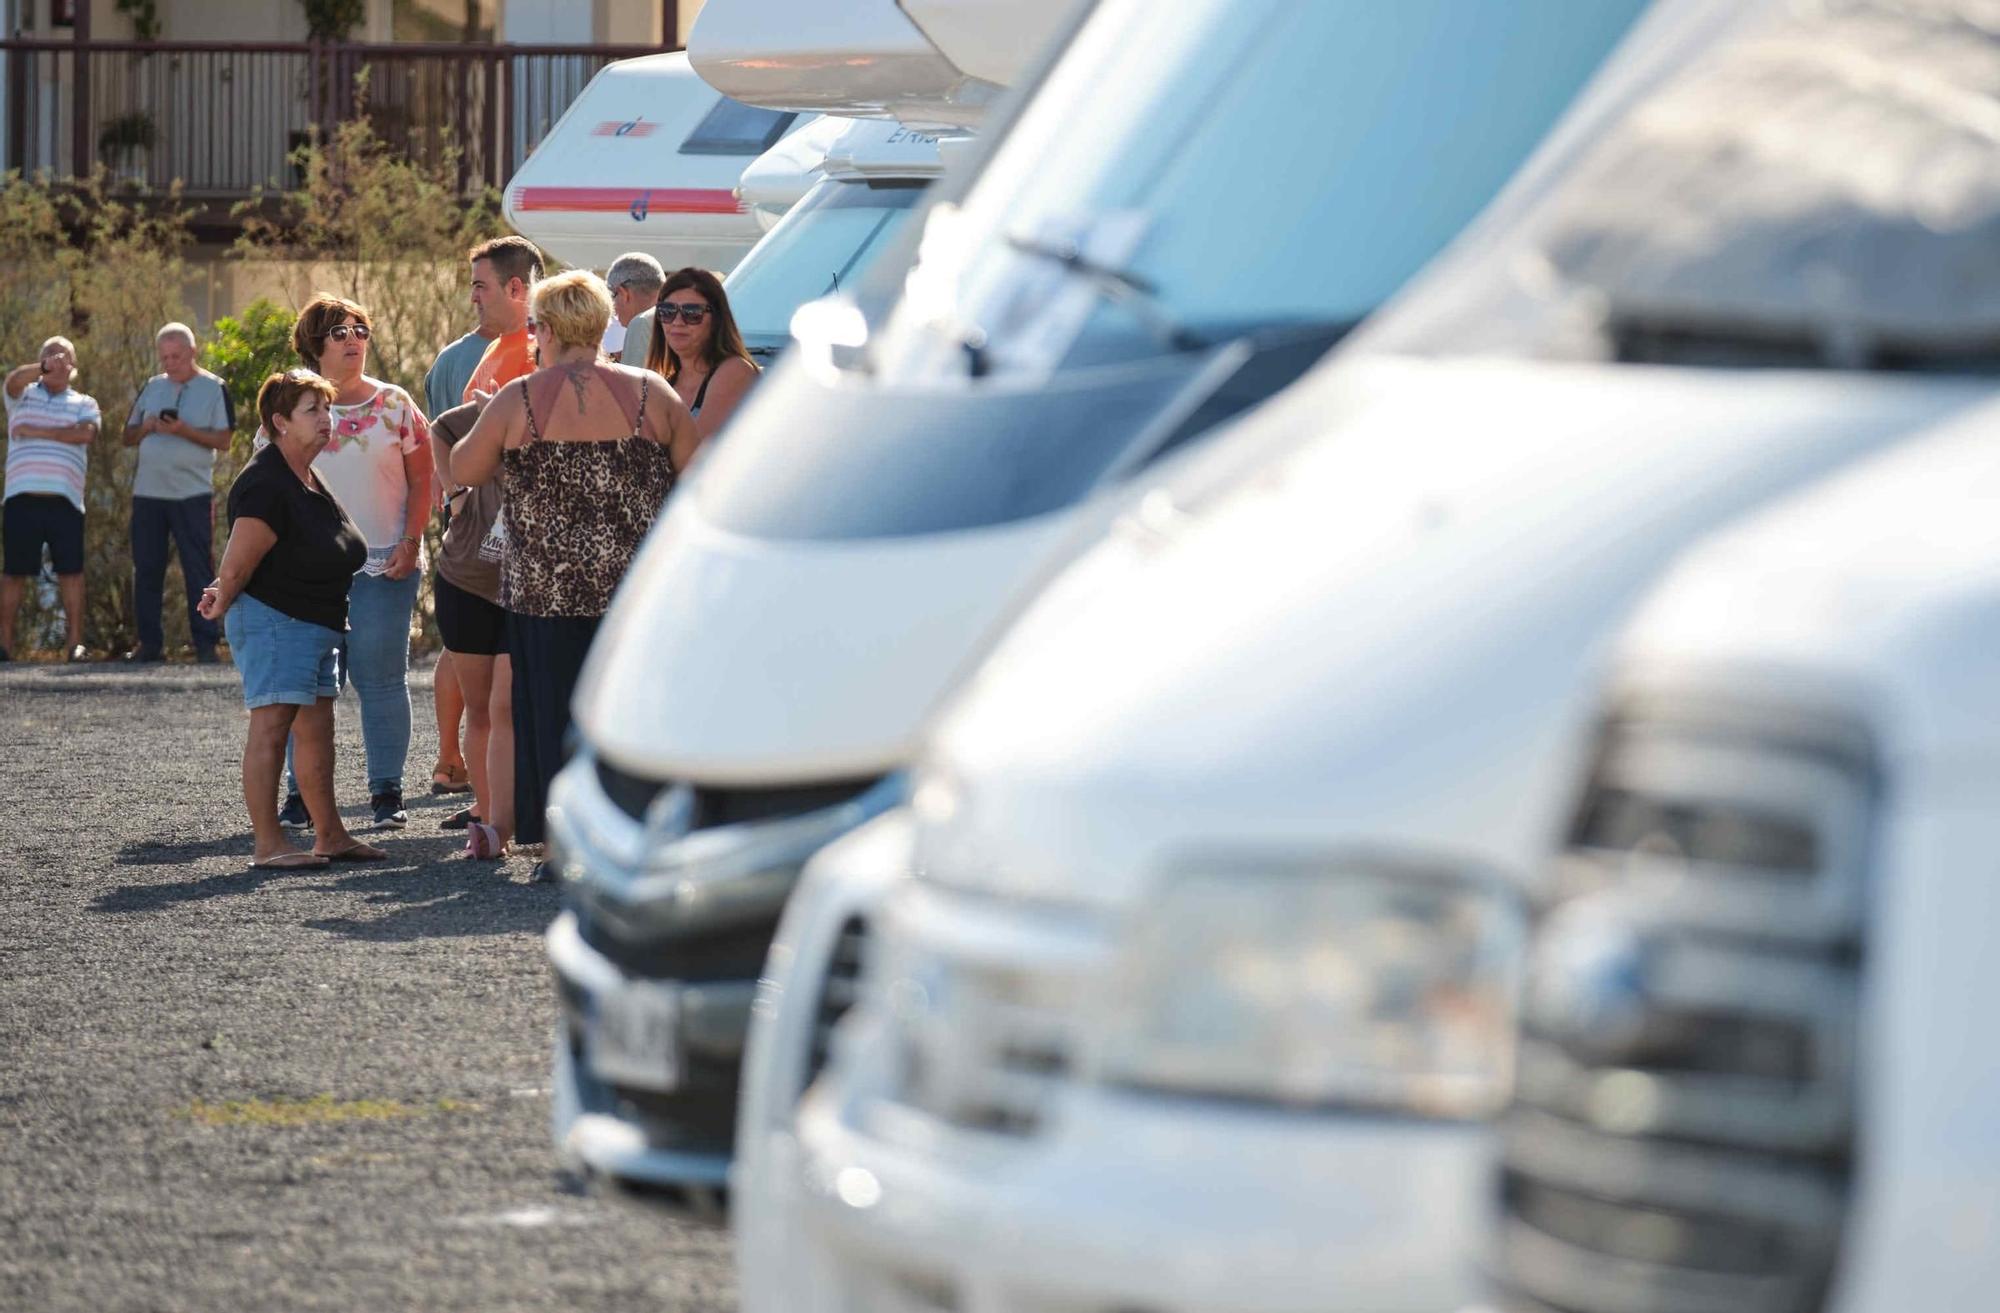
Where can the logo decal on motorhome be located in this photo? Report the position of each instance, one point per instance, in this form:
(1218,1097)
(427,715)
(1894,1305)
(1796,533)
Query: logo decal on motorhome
(628,128)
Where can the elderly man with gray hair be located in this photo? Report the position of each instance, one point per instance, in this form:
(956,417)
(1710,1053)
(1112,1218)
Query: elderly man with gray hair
(635,280)
(181,418)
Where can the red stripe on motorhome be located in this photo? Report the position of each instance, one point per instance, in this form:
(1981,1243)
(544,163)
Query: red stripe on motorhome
(628,200)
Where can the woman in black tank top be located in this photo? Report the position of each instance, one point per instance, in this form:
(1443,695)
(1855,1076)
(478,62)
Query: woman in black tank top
(697,348)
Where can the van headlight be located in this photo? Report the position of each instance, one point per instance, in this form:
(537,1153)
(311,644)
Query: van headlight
(1319,984)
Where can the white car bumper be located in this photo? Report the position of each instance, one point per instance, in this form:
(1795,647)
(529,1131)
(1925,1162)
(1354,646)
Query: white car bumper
(1144,1202)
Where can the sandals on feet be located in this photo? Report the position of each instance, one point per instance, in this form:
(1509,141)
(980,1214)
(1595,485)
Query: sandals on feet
(483,842)
(354,852)
(450,778)
(295,860)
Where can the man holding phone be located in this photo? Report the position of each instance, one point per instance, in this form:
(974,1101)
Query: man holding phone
(50,425)
(181,418)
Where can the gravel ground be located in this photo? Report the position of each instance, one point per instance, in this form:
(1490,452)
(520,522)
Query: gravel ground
(234,1090)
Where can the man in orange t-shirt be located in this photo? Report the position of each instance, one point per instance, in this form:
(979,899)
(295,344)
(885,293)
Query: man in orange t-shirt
(503,270)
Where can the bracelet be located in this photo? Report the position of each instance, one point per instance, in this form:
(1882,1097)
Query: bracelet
(406,539)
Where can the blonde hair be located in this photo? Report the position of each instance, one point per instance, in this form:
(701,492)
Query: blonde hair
(575,307)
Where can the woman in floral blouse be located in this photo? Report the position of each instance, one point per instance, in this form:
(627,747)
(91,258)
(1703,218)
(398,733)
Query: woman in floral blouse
(378,464)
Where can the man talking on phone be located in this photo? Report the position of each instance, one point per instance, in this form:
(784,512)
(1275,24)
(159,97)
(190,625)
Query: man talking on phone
(181,418)
(50,425)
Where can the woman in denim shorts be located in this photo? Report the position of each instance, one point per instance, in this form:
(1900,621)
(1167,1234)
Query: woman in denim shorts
(281,596)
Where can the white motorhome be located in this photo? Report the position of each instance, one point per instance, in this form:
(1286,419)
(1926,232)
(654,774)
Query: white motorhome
(1197,984)
(1180,220)
(646,159)
(1756,1070)
(866,175)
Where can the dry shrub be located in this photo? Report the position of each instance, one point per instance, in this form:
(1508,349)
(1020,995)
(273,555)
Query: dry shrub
(389,232)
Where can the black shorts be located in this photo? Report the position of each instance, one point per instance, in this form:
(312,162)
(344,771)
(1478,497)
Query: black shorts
(34,518)
(467,622)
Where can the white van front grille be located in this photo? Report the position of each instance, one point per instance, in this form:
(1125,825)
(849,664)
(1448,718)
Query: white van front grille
(1682,1134)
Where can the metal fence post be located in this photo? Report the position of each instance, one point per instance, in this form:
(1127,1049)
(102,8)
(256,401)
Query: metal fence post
(81,147)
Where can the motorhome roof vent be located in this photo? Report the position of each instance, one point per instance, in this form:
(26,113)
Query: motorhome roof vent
(1831,177)
(733,128)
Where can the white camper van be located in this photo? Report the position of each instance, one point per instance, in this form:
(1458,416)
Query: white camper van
(1757,1069)
(1201,982)
(1182,218)
(646,159)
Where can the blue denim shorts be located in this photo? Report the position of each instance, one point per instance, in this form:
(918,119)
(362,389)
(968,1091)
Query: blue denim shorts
(282,660)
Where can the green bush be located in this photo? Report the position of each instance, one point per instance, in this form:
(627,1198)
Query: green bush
(244,350)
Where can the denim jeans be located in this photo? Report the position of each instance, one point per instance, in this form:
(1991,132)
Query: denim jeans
(376,662)
(190,525)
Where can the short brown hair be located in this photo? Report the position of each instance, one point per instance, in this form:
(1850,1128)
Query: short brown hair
(511,258)
(281,392)
(575,307)
(322,313)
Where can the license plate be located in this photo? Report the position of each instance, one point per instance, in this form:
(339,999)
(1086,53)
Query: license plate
(635,1040)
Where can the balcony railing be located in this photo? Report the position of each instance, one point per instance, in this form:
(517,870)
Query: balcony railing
(224,118)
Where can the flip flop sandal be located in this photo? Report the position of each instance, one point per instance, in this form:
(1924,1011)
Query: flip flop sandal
(458,820)
(450,779)
(482,842)
(297,860)
(356,852)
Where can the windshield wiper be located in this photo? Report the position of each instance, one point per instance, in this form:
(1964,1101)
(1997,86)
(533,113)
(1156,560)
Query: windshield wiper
(1121,287)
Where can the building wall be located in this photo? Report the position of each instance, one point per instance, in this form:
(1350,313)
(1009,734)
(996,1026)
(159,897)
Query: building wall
(533,22)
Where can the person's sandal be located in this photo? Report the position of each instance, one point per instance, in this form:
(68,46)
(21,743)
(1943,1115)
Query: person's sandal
(450,778)
(295,860)
(356,851)
(459,819)
(483,842)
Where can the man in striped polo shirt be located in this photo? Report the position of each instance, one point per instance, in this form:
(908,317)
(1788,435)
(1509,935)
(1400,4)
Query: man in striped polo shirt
(49,428)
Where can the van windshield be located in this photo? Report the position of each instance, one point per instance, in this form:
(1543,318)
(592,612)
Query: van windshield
(820,246)
(1251,163)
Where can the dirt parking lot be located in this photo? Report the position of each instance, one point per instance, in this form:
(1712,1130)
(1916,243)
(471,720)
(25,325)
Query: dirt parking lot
(233,1090)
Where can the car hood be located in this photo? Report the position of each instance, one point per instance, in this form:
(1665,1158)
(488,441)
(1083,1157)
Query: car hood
(1380,641)
(757,661)
(1875,593)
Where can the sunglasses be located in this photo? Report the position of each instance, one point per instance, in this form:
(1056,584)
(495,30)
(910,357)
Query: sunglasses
(340,332)
(690,312)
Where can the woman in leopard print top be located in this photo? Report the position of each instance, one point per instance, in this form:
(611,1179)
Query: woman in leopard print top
(586,453)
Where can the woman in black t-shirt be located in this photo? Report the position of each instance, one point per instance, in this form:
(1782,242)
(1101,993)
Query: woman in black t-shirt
(281,594)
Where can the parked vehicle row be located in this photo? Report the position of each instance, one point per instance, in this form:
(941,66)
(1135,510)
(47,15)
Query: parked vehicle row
(1479,817)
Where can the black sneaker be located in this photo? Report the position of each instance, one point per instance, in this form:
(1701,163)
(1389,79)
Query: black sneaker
(145,655)
(544,873)
(458,820)
(389,813)
(293,815)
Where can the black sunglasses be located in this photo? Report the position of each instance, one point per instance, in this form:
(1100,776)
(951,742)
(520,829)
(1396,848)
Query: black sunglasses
(339,332)
(691,312)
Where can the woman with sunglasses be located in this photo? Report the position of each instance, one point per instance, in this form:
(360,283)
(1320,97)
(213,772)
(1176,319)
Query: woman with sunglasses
(377,462)
(697,347)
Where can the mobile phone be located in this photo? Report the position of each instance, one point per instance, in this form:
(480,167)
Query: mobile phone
(170,414)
